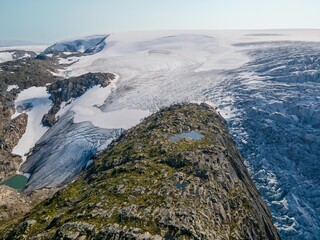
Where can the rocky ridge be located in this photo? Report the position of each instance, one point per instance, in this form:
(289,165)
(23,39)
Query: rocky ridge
(145,186)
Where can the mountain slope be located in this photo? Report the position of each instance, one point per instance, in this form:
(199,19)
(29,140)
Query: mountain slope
(88,45)
(152,184)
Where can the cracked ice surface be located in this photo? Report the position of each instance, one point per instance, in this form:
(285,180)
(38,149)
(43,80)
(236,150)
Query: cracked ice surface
(276,123)
(70,145)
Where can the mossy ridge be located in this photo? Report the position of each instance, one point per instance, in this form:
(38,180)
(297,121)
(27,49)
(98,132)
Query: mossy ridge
(26,73)
(130,189)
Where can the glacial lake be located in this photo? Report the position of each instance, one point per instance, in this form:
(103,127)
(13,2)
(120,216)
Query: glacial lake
(192,134)
(16,182)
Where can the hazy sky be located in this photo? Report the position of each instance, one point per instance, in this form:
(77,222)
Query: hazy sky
(52,20)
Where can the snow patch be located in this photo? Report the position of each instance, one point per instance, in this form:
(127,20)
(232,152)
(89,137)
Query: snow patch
(11,87)
(35,102)
(86,109)
(5,57)
(69,60)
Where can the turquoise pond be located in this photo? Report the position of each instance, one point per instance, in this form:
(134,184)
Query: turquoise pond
(16,182)
(192,134)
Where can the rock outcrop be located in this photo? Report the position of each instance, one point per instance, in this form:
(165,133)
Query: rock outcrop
(67,89)
(147,186)
(14,204)
(26,73)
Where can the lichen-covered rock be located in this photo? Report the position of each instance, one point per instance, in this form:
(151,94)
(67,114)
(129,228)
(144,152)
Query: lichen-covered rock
(14,204)
(146,186)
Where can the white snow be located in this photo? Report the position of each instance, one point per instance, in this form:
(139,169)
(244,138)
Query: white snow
(5,57)
(39,98)
(76,44)
(226,112)
(26,55)
(11,87)
(69,60)
(214,50)
(124,118)
(86,108)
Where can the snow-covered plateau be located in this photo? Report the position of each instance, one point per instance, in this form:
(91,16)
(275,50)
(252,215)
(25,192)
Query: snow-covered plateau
(265,83)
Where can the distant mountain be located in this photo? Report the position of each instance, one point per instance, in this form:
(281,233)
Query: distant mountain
(87,45)
(10,43)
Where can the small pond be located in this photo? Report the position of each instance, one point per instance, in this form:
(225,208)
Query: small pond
(192,134)
(16,182)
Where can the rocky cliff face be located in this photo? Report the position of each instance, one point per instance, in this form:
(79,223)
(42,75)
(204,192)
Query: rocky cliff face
(151,184)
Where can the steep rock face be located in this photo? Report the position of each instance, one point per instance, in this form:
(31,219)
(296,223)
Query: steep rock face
(64,90)
(11,131)
(147,186)
(11,134)
(15,131)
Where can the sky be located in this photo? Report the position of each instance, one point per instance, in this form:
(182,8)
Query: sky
(47,21)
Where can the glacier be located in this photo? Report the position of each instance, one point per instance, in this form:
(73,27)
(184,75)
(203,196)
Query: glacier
(265,83)
(63,152)
(276,107)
